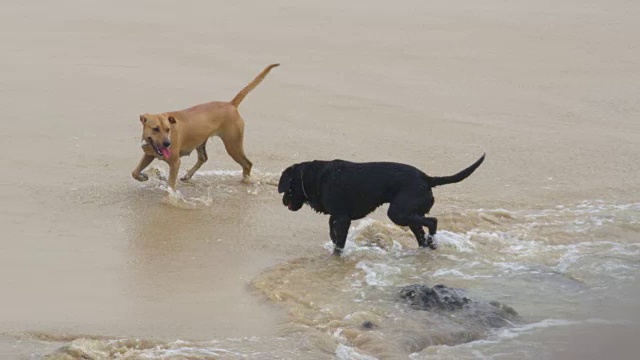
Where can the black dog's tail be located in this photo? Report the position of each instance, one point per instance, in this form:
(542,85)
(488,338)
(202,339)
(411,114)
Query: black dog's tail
(443,180)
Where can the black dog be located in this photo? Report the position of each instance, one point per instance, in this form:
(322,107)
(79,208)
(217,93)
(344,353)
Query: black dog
(349,191)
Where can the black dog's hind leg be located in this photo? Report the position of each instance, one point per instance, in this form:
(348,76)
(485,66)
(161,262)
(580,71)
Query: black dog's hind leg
(418,231)
(404,215)
(338,230)
(432,224)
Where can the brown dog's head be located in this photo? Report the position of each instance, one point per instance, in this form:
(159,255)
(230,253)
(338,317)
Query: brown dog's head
(291,185)
(156,131)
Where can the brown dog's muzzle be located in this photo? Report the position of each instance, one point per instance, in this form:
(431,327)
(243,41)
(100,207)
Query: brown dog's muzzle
(161,150)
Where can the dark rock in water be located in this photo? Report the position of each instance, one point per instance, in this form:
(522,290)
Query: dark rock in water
(439,297)
(368,325)
(506,308)
(446,299)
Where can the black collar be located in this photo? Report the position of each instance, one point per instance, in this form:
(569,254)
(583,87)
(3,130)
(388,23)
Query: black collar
(302,183)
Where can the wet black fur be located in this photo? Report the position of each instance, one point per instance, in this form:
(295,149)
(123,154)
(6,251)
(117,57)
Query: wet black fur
(349,191)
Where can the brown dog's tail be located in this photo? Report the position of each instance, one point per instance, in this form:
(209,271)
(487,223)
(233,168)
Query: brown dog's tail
(236,100)
(443,180)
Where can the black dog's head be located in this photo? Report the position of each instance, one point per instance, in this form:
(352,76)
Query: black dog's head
(291,185)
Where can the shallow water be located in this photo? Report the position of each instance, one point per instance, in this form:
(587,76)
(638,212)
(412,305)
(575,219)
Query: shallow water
(97,265)
(555,284)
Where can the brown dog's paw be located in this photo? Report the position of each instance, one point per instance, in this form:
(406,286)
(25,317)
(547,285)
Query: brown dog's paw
(185,178)
(141,177)
(247,180)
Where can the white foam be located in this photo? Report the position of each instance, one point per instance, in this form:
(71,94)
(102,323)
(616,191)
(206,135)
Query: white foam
(510,267)
(175,198)
(524,247)
(178,199)
(504,335)
(344,352)
(457,273)
(584,216)
(510,333)
(491,236)
(609,322)
(360,225)
(569,258)
(575,252)
(189,352)
(514,332)
(375,274)
(257,177)
(461,242)
(350,245)
(218,173)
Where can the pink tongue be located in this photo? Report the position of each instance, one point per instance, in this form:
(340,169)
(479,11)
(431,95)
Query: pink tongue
(166,153)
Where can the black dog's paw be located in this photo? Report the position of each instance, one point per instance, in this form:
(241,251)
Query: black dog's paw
(337,251)
(430,243)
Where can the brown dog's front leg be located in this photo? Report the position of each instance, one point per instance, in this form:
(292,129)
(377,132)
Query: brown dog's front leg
(174,166)
(144,162)
(202,158)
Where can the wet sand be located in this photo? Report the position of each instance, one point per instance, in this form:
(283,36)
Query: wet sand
(548,90)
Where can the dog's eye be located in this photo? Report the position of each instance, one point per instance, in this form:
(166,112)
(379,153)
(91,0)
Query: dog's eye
(156,129)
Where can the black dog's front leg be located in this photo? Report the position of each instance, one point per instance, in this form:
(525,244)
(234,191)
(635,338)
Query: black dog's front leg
(332,229)
(338,230)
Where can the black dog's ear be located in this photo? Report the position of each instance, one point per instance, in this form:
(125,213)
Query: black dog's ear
(285,180)
(172,119)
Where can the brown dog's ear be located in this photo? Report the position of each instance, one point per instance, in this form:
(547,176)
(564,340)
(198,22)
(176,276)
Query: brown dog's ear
(285,180)
(143,119)
(172,120)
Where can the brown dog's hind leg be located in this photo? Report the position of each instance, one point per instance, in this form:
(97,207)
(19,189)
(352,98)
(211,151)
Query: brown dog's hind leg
(202,158)
(235,149)
(144,162)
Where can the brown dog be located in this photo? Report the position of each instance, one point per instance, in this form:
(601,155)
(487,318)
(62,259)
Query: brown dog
(171,135)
